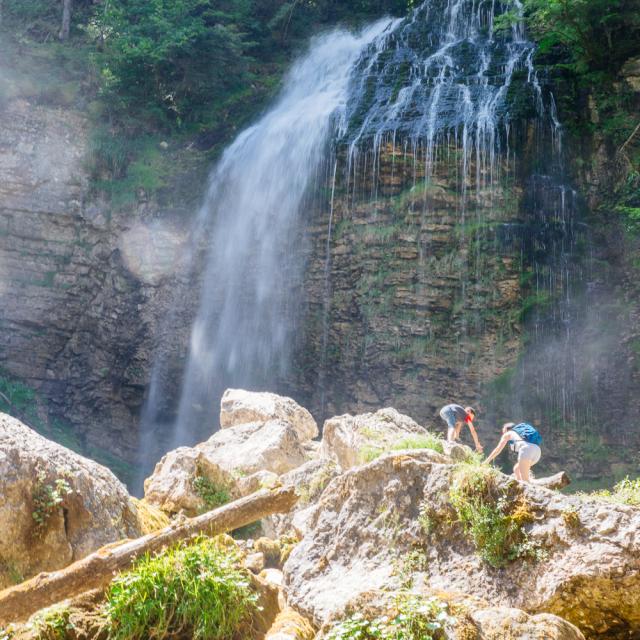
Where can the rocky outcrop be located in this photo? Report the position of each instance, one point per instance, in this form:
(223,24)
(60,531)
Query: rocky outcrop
(85,285)
(240,458)
(378,524)
(55,506)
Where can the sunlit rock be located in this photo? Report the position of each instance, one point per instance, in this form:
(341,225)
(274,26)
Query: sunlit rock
(55,506)
(379,525)
(458,616)
(352,440)
(176,483)
(240,407)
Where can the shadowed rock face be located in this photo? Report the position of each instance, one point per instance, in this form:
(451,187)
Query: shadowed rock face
(92,508)
(82,286)
(366,521)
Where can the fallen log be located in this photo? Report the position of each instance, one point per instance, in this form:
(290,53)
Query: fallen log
(98,569)
(556,481)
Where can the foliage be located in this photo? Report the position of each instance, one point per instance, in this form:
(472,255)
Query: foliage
(626,491)
(596,34)
(370,452)
(415,618)
(212,494)
(47,497)
(196,590)
(53,623)
(150,518)
(491,518)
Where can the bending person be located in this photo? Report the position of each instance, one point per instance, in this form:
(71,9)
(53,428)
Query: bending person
(455,416)
(524,440)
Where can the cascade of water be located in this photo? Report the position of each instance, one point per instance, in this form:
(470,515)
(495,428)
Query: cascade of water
(243,330)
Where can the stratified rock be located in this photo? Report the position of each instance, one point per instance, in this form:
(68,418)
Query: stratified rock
(240,407)
(368,521)
(349,440)
(55,506)
(172,486)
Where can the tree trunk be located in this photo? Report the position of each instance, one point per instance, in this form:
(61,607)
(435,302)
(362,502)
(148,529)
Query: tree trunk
(97,570)
(557,481)
(66,20)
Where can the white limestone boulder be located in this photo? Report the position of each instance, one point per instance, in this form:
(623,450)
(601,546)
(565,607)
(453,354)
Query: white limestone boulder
(352,440)
(88,507)
(369,520)
(241,407)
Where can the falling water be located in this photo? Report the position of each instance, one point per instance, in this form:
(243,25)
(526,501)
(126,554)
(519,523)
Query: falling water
(256,201)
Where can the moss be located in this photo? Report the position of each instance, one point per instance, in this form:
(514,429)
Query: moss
(571,520)
(150,518)
(53,623)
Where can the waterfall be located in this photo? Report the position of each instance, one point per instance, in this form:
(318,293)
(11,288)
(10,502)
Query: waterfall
(254,209)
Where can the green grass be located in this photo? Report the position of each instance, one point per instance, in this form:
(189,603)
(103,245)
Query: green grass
(428,441)
(194,591)
(53,623)
(626,491)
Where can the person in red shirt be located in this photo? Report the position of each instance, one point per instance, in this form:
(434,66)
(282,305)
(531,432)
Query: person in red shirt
(455,416)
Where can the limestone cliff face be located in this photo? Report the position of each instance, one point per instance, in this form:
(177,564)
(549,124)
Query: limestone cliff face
(82,287)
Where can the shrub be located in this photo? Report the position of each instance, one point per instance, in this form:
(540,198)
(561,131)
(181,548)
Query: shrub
(491,518)
(197,590)
(415,618)
(53,623)
(47,498)
(212,494)
(627,491)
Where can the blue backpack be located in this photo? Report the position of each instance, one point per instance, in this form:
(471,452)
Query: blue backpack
(528,433)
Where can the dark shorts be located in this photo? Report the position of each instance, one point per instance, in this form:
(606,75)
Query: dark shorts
(449,416)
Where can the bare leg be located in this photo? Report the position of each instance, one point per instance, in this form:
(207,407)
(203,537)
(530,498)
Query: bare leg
(525,466)
(451,434)
(458,427)
(516,471)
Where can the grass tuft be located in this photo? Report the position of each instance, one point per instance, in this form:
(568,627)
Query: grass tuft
(627,491)
(197,590)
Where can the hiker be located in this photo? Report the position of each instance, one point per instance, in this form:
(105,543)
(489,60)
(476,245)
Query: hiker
(455,416)
(525,441)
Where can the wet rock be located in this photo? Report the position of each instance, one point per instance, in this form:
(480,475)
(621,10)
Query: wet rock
(55,506)
(369,521)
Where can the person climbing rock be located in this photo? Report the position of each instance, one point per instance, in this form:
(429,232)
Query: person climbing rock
(525,441)
(455,416)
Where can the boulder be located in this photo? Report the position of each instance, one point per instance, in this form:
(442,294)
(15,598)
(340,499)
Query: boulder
(352,440)
(245,449)
(310,480)
(240,407)
(380,525)
(55,506)
(173,486)
(241,458)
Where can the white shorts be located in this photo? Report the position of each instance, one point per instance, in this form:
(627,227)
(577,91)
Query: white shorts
(529,452)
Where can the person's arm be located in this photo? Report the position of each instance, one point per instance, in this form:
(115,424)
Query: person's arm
(474,435)
(496,452)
